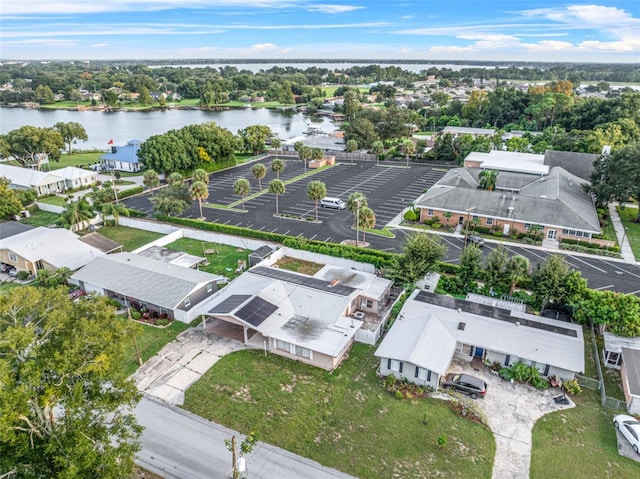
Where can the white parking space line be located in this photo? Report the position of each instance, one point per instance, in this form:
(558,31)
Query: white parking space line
(587,263)
(604,287)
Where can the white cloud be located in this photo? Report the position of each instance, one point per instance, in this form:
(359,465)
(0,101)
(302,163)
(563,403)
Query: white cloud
(329,8)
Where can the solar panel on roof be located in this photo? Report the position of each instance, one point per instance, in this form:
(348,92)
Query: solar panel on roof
(307,281)
(229,304)
(489,312)
(256,311)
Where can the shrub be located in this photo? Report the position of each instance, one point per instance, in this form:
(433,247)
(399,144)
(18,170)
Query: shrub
(22,275)
(130,192)
(135,314)
(572,387)
(442,441)
(399,394)
(410,215)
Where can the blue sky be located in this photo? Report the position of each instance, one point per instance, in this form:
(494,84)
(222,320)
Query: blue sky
(535,30)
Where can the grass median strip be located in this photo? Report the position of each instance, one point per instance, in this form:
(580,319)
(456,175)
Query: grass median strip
(344,419)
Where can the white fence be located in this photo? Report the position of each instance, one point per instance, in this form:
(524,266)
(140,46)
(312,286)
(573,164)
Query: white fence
(50,208)
(319,258)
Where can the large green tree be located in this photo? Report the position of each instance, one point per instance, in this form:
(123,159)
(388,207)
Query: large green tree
(255,138)
(31,144)
(617,176)
(554,281)
(150,179)
(66,404)
(420,255)
(77,212)
(618,312)
(470,265)
(366,220)
(71,132)
(10,203)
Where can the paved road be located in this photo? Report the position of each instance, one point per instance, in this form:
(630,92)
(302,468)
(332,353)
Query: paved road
(389,190)
(179,445)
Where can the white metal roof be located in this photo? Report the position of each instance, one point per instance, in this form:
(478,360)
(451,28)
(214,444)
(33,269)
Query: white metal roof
(510,161)
(614,344)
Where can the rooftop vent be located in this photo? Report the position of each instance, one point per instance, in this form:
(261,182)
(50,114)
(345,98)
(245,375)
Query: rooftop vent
(359,315)
(461,326)
(334,282)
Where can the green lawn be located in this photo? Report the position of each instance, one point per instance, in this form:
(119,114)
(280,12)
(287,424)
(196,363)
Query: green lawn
(628,215)
(343,419)
(5,287)
(129,238)
(579,443)
(150,341)
(76,159)
(41,218)
(224,262)
(54,200)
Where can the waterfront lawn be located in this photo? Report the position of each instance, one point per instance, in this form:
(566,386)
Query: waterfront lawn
(41,218)
(151,340)
(76,159)
(129,238)
(224,262)
(578,443)
(343,419)
(628,216)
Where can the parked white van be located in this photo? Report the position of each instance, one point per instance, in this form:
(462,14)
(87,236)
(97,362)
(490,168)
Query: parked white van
(335,203)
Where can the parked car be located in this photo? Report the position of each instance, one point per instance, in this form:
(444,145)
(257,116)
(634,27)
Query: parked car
(466,384)
(476,240)
(336,203)
(12,272)
(629,426)
(4,267)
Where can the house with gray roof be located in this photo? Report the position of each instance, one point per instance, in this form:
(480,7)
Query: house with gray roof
(123,158)
(48,182)
(444,327)
(313,319)
(140,281)
(556,203)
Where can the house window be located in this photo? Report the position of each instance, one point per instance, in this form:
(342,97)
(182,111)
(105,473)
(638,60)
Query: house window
(424,374)
(366,303)
(613,359)
(475,218)
(304,352)
(143,305)
(489,221)
(163,311)
(283,345)
(464,348)
(209,287)
(13,257)
(429,212)
(527,226)
(187,302)
(395,365)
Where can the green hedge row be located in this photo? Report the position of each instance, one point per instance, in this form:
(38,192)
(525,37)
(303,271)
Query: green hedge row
(448,268)
(380,259)
(136,190)
(586,244)
(583,249)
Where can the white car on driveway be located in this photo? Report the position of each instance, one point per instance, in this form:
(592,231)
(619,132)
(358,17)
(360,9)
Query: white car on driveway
(629,426)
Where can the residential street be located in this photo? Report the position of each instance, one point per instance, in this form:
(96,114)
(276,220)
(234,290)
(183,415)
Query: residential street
(179,445)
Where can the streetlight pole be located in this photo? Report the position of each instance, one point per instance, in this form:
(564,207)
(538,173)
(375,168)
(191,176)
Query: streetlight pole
(466,230)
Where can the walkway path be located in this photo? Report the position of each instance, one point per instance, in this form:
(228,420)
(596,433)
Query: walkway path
(623,240)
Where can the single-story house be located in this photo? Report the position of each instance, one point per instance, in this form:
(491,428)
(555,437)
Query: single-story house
(503,333)
(139,281)
(46,248)
(456,131)
(48,182)
(630,373)
(313,319)
(556,203)
(123,158)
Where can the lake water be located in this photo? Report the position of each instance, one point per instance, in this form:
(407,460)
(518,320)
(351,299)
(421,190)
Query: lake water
(123,126)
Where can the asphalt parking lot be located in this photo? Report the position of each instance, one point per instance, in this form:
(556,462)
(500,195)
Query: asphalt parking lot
(389,190)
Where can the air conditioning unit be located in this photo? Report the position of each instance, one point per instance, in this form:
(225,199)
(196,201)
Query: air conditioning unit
(359,315)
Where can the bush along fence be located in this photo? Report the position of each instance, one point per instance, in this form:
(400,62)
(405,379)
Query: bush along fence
(380,259)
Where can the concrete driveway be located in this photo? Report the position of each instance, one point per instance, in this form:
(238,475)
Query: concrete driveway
(181,363)
(512,410)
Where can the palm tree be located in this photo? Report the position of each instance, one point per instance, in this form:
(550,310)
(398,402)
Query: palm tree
(63,274)
(259,171)
(277,188)
(150,179)
(408,149)
(277,166)
(77,212)
(316,190)
(488,179)
(115,210)
(298,146)
(201,175)
(276,144)
(367,220)
(317,154)
(356,201)
(518,269)
(377,148)
(242,188)
(305,154)
(199,191)
(175,179)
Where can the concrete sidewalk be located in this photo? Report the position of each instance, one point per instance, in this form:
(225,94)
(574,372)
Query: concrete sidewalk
(623,240)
